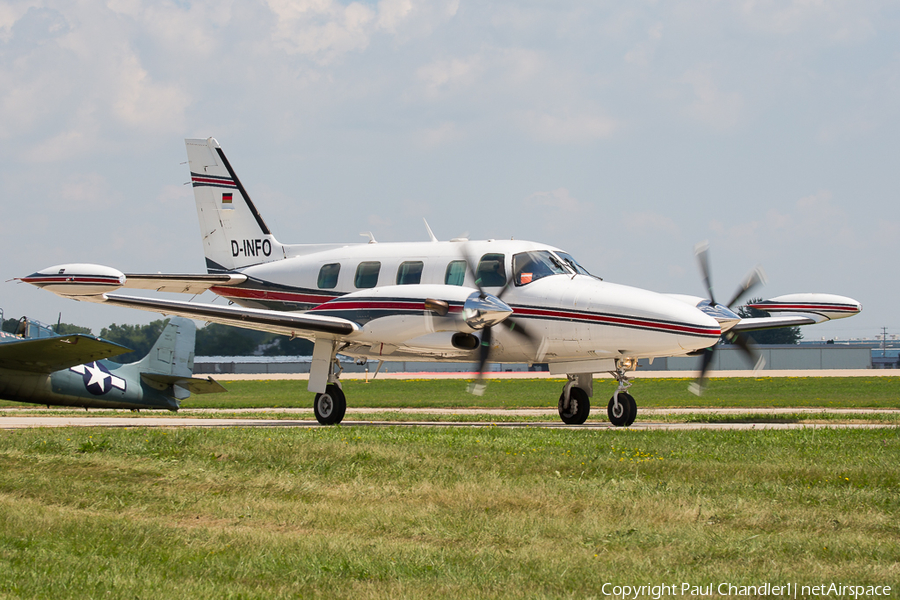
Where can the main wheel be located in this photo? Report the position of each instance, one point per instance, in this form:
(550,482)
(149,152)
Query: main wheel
(579,407)
(330,406)
(623,414)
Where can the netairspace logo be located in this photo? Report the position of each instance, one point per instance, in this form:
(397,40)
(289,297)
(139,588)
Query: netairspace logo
(787,590)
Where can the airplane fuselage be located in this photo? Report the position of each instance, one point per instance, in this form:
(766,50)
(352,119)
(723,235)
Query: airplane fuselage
(100,384)
(381,286)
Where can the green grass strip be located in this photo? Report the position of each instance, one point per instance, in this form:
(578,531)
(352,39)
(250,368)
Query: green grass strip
(836,392)
(434,513)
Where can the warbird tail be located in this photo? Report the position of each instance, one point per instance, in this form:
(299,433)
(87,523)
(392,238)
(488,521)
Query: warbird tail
(173,352)
(234,233)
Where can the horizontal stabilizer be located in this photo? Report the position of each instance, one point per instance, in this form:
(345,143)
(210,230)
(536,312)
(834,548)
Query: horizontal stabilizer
(194,385)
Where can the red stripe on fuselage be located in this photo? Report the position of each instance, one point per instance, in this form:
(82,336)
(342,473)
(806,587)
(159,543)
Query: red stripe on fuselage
(618,320)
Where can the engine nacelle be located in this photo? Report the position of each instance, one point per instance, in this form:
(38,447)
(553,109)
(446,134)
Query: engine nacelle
(77,279)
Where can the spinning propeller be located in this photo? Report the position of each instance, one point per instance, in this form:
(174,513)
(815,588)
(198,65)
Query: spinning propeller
(725,316)
(485,311)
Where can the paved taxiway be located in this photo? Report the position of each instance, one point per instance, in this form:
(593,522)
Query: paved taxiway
(17,419)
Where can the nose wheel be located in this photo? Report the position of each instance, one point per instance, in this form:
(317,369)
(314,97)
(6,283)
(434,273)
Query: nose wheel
(622,409)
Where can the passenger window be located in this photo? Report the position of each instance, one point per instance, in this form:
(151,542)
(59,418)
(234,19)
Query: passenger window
(367,274)
(410,273)
(328,276)
(456,273)
(531,266)
(490,271)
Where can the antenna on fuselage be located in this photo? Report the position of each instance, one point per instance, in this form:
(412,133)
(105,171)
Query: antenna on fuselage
(431,235)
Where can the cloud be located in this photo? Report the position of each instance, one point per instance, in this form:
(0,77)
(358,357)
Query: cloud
(652,224)
(557,201)
(838,21)
(440,76)
(643,53)
(565,127)
(77,78)
(89,191)
(439,135)
(321,28)
(710,105)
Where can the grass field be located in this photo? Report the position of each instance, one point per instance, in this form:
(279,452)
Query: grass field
(827,392)
(414,512)
(839,392)
(435,513)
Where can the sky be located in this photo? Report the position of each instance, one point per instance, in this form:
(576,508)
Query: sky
(622,132)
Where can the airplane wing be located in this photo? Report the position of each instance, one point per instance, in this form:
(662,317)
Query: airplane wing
(180,283)
(194,385)
(760,323)
(45,355)
(272,321)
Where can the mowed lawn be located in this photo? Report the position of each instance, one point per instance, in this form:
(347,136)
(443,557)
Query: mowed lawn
(828,392)
(392,512)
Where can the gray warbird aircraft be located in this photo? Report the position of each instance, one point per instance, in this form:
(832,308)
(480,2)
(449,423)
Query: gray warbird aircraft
(508,301)
(41,367)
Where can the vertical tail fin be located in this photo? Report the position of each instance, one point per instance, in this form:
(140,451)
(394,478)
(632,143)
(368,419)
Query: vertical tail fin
(173,352)
(234,233)
(169,366)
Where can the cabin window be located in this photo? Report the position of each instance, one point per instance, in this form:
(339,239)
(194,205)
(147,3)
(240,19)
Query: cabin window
(367,274)
(328,276)
(531,266)
(490,271)
(456,273)
(410,272)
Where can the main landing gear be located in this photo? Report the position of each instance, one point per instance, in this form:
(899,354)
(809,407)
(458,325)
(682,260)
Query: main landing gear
(330,405)
(575,406)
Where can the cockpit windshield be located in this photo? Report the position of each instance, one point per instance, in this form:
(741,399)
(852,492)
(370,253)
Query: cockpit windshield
(573,264)
(531,266)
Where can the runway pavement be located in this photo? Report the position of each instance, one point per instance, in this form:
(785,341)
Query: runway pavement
(201,418)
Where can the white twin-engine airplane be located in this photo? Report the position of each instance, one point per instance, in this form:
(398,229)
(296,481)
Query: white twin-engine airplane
(505,301)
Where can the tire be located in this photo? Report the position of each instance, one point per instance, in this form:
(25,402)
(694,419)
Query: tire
(330,406)
(632,408)
(627,410)
(579,407)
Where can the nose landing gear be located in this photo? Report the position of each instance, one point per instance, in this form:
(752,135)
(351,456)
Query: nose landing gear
(622,409)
